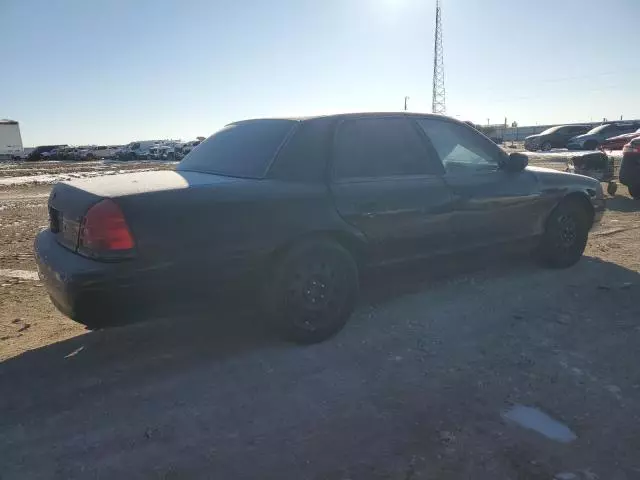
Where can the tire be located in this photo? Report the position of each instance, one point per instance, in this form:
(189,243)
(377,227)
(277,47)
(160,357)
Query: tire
(565,235)
(312,291)
(546,146)
(634,191)
(591,145)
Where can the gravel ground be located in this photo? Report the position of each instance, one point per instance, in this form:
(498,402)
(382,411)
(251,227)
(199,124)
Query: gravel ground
(418,385)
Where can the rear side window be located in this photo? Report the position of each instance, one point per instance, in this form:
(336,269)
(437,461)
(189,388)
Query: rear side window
(239,150)
(304,157)
(379,147)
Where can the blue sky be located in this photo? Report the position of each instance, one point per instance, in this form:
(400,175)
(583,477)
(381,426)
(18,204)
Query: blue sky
(112,71)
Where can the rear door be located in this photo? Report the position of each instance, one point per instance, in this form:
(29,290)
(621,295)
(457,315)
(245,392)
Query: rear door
(387,184)
(491,205)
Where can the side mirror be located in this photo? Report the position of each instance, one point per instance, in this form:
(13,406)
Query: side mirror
(516,162)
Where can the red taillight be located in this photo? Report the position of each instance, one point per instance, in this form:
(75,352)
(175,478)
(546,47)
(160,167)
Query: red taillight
(104,229)
(631,148)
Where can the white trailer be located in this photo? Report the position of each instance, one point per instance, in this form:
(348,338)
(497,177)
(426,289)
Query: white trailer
(10,139)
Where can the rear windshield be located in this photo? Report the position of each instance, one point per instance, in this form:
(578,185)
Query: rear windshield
(239,150)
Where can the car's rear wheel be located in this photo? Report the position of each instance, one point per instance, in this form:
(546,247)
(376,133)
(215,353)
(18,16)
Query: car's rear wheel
(634,191)
(312,291)
(546,146)
(565,236)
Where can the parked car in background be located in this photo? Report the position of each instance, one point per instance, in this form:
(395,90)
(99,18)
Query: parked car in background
(594,137)
(289,211)
(188,146)
(630,167)
(37,153)
(137,150)
(154,152)
(180,150)
(554,137)
(168,152)
(619,141)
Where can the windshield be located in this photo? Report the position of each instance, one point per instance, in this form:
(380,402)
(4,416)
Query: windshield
(598,129)
(550,130)
(239,150)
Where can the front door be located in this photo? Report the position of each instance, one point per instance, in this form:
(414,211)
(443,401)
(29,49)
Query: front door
(491,204)
(386,184)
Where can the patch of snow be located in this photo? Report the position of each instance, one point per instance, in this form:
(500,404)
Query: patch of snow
(534,419)
(22,274)
(565,476)
(51,178)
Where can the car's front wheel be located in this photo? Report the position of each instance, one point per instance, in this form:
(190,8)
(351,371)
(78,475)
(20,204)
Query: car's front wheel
(591,144)
(546,146)
(565,236)
(312,291)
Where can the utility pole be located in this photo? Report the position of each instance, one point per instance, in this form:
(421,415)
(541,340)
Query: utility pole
(405,103)
(438,94)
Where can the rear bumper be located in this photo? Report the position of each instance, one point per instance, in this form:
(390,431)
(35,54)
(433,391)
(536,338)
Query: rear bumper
(99,294)
(90,292)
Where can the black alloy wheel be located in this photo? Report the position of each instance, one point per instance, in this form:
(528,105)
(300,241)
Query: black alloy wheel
(313,291)
(565,236)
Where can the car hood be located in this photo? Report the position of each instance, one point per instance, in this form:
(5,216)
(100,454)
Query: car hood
(625,136)
(533,137)
(572,181)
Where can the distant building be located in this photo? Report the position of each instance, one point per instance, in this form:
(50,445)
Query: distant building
(10,139)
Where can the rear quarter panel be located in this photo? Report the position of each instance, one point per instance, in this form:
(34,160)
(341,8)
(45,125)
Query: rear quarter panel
(226,230)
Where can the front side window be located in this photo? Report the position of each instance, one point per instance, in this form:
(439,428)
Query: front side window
(460,149)
(378,147)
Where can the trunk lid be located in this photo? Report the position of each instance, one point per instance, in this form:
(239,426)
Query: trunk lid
(69,201)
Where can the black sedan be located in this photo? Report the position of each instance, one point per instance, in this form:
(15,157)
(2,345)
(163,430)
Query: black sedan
(293,210)
(554,137)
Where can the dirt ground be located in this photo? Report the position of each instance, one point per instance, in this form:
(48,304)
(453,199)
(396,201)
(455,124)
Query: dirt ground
(415,387)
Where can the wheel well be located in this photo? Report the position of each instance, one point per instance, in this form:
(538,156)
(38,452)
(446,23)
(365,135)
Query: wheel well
(582,200)
(349,242)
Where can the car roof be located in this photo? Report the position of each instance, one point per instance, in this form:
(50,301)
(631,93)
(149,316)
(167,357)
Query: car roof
(344,116)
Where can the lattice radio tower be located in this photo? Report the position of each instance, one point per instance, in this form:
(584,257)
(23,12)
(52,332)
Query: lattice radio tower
(438,101)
